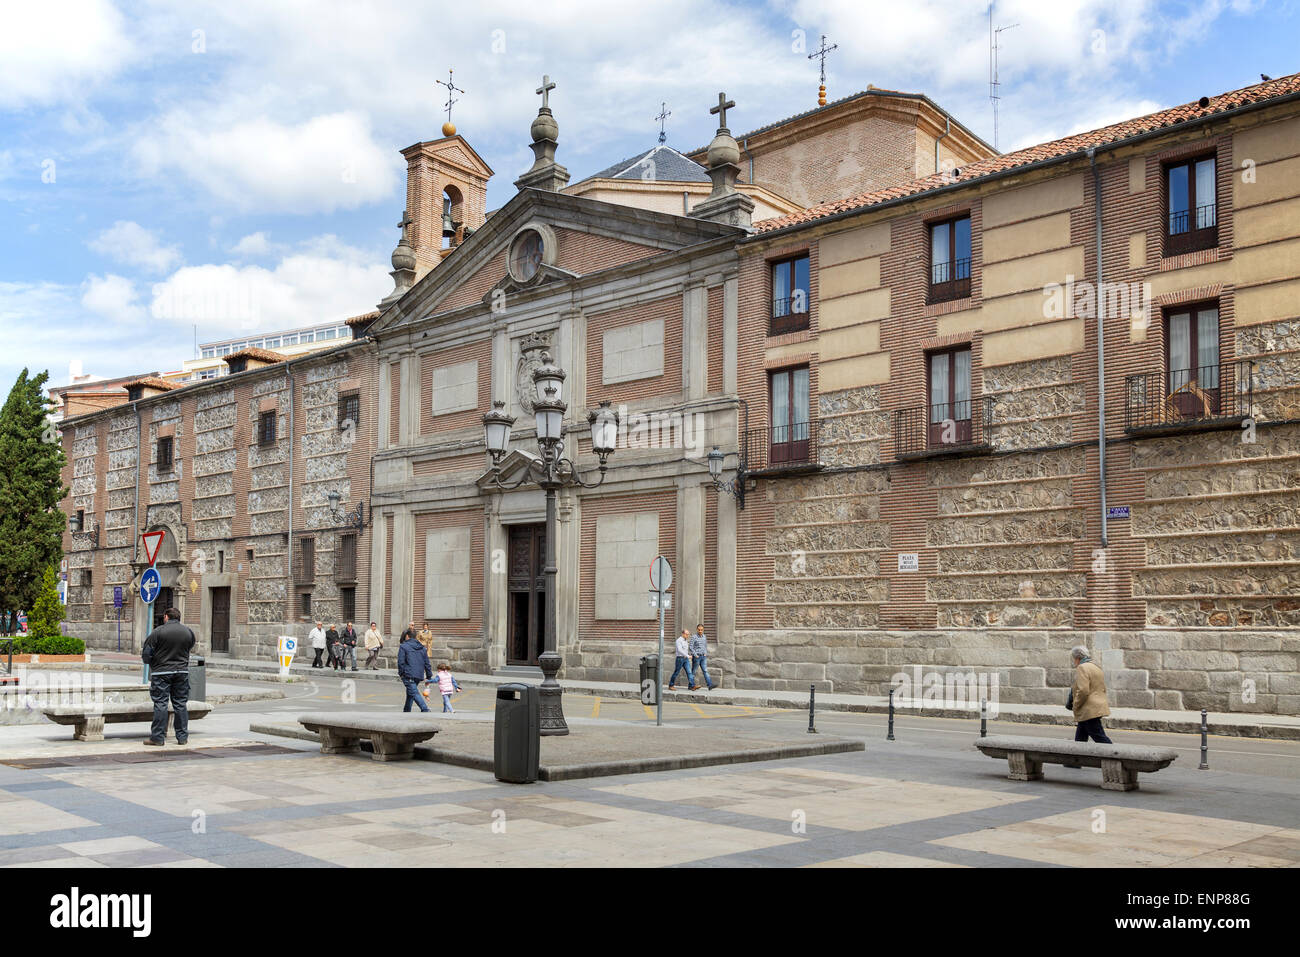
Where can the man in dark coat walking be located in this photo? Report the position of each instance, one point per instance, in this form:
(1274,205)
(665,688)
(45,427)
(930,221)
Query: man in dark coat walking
(413,666)
(167,653)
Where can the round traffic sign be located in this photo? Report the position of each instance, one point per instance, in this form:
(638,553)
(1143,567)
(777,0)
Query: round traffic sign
(661,574)
(150,585)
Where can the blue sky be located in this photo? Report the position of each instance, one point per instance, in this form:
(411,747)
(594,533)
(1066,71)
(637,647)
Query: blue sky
(234,165)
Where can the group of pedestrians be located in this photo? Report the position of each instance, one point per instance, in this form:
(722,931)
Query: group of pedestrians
(692,654)
(340,646)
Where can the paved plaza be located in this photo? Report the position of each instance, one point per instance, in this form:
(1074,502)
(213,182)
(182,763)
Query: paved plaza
(928,799)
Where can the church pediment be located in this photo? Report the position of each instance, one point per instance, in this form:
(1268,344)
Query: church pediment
(574,236)
(514,466)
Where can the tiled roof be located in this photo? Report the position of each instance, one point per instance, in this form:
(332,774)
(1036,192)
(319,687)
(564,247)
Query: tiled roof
(364,317)
(1067,146)
(263,355)
(150,382)
(669,166)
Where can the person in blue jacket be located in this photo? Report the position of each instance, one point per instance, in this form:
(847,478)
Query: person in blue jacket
(413,666)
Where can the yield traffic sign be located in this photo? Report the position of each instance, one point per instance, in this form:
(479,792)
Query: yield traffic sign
(152,542)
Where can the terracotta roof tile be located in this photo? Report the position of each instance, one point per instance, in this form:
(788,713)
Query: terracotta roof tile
(364,317)
(264,355)
(1065,146)
(151,382)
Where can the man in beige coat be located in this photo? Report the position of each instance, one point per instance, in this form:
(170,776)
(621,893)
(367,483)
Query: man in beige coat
(1088,697)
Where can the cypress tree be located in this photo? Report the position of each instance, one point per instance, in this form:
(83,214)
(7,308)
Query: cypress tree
(31,487)
(47,610)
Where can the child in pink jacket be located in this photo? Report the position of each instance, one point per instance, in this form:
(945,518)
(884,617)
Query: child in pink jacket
(447,683)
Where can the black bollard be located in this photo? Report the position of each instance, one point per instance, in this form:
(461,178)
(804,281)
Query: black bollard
(984,713)
(1205,744)
(890,736)
(812,697)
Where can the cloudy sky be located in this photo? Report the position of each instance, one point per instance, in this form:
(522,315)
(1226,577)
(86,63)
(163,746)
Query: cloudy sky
(234,165)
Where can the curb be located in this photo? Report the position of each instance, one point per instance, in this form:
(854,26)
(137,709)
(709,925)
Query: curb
(572,772)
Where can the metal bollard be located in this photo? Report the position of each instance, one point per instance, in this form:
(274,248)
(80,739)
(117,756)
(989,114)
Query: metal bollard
(984,714)
(812,698)
(890,736)
(1205,744)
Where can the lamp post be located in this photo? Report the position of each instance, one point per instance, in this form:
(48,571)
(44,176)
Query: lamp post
(551,471)
(353,519)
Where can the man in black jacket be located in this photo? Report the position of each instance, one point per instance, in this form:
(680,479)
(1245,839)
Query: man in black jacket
(349,638)
(413,667)
(167,653)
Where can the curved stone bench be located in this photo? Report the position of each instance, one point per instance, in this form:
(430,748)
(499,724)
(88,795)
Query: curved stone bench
(1120,763)
(393,736)
(88,724)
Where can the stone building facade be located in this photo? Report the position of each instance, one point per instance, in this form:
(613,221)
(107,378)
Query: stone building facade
(236,472)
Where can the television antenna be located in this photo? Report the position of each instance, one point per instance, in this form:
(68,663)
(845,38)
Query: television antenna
(994,84)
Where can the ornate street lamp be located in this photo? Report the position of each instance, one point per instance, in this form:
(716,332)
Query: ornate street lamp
(735,486)
(552,471)
(353,519)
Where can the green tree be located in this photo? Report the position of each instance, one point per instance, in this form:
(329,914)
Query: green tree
(31,487)
(47,610)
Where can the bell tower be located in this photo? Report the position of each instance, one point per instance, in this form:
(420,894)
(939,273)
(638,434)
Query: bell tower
(446,197)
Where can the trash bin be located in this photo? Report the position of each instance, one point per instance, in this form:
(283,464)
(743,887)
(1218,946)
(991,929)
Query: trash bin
(198,680)
(650,679)
(518,734)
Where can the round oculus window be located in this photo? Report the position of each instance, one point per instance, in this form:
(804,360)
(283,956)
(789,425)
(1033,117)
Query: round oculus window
(526,255)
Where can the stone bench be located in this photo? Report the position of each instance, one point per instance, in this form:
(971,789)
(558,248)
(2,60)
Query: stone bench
(88,724)
(393,736)
(1120,763)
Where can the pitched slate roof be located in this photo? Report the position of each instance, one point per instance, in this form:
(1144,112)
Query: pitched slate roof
(670,166)
(1257,94)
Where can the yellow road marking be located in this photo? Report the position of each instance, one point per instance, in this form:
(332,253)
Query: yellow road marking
(595,707)
(649,711)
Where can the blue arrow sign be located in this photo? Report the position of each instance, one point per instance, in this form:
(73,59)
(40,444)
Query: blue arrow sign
(150,584)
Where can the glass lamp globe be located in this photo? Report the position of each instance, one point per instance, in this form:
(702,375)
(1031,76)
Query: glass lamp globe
(548,379)
(715,462)
(604,429)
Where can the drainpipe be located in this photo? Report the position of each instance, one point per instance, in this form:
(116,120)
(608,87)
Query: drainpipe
(1101,350)
(292,389)
(135,544)
(947,128)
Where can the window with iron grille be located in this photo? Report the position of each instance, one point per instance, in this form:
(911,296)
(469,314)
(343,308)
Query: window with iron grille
(305,567)
(304,605)
(348,600)
(790,295)
(349,410)
(266,424)
(1191,206)
(950,255)
(345,567)
(164,456)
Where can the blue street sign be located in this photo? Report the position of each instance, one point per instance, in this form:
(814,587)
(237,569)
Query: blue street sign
(150,584)
(1117,511)
(117,596)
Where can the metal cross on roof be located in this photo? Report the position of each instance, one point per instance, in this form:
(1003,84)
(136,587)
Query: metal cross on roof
(664,113)
(451,88)
(821,55)
(545,90)
(724,104)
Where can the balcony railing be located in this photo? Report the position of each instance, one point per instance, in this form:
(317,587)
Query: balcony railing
(1213,396)
(950,280)
(789,315)
(781,447)
(1190,230)
(949,428)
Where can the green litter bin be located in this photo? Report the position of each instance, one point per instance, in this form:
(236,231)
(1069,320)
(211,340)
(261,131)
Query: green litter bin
(517,750)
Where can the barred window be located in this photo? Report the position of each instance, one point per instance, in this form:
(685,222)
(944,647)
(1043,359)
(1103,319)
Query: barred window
(266,425)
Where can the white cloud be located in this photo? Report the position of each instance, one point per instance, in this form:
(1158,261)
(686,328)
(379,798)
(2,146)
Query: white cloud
(322,280)
(253,245)
(130,243)
(56,51)
(322,164)
(112,297)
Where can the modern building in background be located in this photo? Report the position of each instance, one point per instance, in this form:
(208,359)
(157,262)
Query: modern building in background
(210,361)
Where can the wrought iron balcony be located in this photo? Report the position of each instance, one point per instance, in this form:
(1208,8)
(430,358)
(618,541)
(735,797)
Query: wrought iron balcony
(1190,230)
(949,280)
(1183,400)
(949,428)
(789,315)
(781,448)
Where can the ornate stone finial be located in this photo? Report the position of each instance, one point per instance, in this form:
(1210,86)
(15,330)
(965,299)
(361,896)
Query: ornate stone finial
(403,260)
(724,203)
(545,173)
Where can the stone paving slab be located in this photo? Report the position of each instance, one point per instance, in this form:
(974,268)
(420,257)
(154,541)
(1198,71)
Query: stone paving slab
(600,748)
(1236,724)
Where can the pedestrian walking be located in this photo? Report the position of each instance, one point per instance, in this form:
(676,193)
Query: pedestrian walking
(425,638)
(699,646)
(413,667)
(334,645)
(1088,697)
(408,632)
(349,638)
(317,638)
(447,685)
(683,648)
(167,653)
(374,643)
